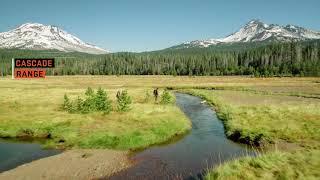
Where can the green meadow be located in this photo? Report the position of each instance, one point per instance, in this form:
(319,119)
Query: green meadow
(31,109)
(278,116)
(284,128)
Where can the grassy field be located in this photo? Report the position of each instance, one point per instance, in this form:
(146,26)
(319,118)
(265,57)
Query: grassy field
(289,124)
(31,107)
(274,165)
(259,119)
(274,112)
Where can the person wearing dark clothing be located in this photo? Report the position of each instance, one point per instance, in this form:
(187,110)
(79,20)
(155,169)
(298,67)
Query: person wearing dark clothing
(118,94)
(155,94)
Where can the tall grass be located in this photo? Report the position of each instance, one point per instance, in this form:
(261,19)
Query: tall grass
(273,165)
(266,123)
(263,120)
(32,109)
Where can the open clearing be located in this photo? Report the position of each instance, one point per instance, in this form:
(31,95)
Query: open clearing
(280,112)
(33,106)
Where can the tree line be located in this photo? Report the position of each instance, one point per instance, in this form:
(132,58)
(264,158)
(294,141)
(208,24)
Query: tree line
(271,59)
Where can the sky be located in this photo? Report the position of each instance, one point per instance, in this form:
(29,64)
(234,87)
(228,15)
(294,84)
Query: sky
(145,25)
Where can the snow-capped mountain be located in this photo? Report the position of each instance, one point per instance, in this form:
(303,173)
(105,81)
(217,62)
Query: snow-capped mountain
(38,36)
(256,31)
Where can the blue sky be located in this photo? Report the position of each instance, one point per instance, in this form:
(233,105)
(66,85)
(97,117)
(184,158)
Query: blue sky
(143,25)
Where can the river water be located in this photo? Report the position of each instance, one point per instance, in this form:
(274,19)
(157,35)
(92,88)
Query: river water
(13,154)
(204,147)
(188,157)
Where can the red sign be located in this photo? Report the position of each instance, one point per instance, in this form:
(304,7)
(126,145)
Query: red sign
(31,67)
(34,63)
(29,73)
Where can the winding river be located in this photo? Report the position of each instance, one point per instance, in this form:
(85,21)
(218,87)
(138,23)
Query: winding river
(204,147)
(188,157)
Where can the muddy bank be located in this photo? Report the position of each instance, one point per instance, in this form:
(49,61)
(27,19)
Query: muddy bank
(72,164)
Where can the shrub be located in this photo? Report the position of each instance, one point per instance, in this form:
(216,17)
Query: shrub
(67,104)
(92,102)
(102,102)
(166,97)
(123,100)
(89,103)
(79,105)
(89,92)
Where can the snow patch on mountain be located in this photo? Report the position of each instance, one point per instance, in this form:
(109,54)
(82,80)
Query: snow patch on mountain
(256,31)
(38,36)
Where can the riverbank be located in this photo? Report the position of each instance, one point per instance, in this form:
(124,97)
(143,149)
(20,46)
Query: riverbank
(259,120)
(31,109)
(72,164)
(285,126)
(205,145)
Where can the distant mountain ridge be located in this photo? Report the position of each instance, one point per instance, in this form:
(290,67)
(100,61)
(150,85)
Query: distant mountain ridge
(37,36)
(257,31)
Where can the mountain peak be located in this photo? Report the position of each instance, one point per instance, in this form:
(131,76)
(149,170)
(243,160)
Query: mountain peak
(28,24)
(255,21)
(257,31)
(39,36)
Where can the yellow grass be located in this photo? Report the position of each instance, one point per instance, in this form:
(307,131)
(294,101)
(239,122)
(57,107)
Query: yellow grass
(279,109)
(34,105)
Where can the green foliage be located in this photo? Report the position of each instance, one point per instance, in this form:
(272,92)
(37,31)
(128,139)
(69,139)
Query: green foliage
(67,104)
(124,101)
(275,165)
(89,92)
(102,102)
(255,59)
(92,102)
(166,97)
(89,103)
(79,105)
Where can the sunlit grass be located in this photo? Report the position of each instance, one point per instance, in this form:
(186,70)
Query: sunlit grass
(254,110)
(257,120)
(35,106)
(263,118)
(274,165)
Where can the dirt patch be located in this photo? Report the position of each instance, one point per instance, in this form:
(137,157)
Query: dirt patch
(72,164)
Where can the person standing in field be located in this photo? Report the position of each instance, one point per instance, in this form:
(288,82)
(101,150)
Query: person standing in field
(118,95)
(155,94)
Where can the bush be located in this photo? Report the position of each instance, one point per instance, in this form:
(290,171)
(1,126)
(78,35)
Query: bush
(67,104)
(79,105)
(92,102)
(89,103)
(123,100)
(89,92)
(102,102)
(166,97)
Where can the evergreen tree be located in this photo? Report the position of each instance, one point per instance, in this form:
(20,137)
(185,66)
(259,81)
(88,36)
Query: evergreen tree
(124,101)
(102,102)
(263,59)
